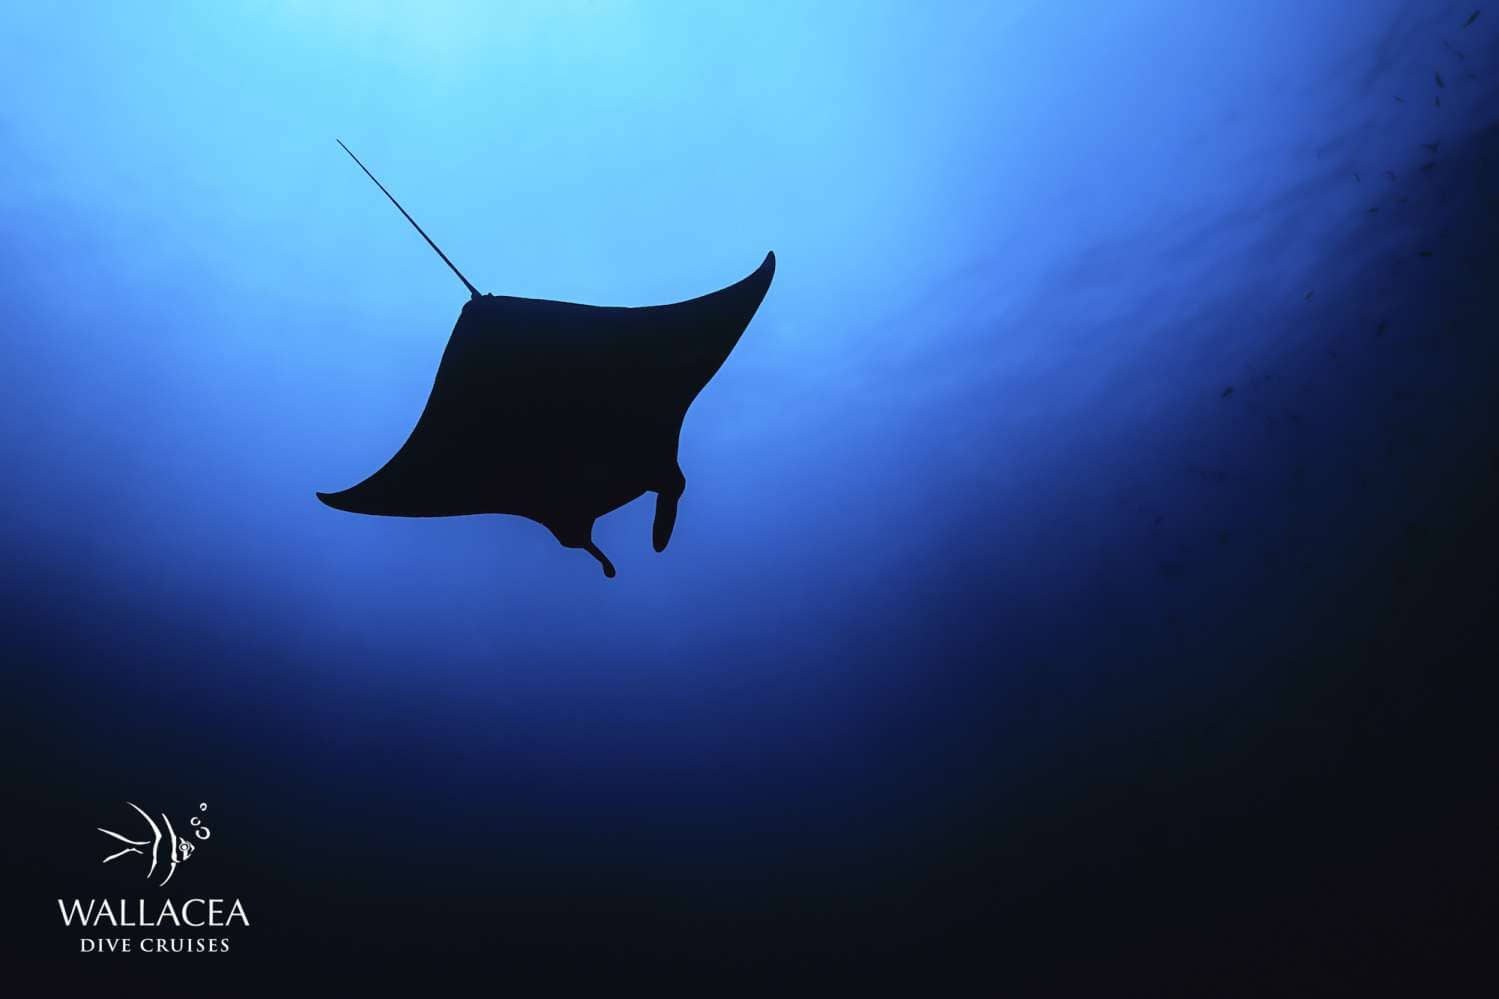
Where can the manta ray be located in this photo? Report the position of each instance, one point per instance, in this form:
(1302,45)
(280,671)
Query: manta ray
(558,412)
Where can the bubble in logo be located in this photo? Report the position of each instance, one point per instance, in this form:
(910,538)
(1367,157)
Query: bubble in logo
(201,831)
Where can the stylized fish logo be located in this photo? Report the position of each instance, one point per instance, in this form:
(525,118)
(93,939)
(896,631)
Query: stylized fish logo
(179,848)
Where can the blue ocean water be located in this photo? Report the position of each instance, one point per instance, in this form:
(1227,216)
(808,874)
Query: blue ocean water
(1118,355)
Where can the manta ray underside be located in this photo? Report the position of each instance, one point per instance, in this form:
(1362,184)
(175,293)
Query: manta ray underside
(559,412)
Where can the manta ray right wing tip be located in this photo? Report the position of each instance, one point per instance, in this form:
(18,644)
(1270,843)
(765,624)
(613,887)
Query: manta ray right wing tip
(338,501)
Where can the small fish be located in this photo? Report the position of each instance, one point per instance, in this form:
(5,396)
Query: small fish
(1227,392)
(1427,168)
(1423,253)
(1436,101)
(1373,211)
(1455,51)
(1223,537)
(1391,174)
(1403,200)
(1440,81)
(1431,147)
(179,848)
(1358,178)
(1400,100)
(1309,295)
(1380,329)
(1471,18)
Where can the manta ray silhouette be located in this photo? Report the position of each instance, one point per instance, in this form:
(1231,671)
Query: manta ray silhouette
(558,412)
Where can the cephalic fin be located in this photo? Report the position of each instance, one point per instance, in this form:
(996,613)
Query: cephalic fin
(666,508)
(593,549)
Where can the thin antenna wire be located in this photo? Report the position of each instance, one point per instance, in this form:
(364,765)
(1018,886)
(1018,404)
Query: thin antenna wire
(472,290)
